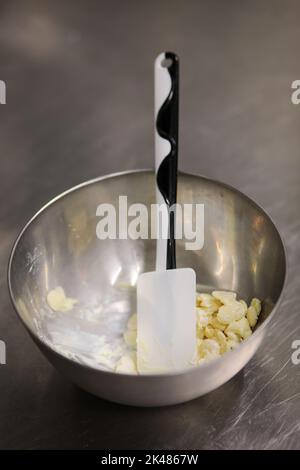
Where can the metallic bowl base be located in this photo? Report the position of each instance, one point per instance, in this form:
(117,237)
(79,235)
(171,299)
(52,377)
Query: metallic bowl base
(242,252)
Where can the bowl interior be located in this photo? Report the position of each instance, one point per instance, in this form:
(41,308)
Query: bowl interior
(242,252)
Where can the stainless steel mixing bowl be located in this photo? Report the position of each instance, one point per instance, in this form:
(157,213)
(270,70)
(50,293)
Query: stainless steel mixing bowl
(242,252)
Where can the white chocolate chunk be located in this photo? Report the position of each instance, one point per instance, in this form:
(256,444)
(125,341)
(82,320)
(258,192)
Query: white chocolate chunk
(223,322)
(232,336)
(224,296)
(253,312)
(240,327)
(132,322)
(127,364)
(207,301)
(233,340)
(203,317)
(232,344)
(256,304)
(221,338)
(212,309)
(232,311)
(209,331)
(215,323)
(200,332)
(208,349)
(130,338)
(252,316)
(244,305)
(107,355)
(58,301)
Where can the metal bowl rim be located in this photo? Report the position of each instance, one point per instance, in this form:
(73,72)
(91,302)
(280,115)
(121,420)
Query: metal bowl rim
(127,172)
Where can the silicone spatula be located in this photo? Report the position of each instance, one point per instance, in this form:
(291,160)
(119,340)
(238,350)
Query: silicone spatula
(166,328)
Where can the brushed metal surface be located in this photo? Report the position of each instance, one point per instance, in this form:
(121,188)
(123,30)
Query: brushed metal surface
(79,104)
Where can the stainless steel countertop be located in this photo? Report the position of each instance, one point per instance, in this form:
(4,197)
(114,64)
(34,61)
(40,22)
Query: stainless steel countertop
(79,104)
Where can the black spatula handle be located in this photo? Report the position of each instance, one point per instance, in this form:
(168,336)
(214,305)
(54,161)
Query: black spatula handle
(166,125)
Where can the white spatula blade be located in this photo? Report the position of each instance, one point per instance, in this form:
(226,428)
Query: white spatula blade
(166,329)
